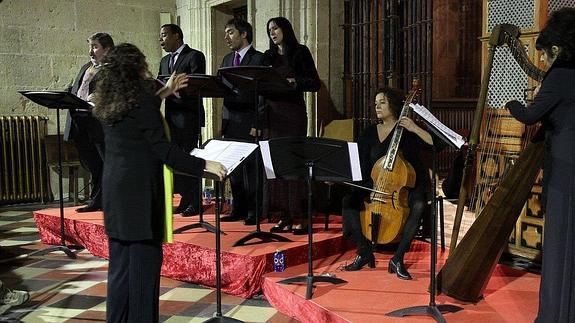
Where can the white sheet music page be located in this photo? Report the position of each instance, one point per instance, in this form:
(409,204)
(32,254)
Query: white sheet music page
(267,159)
(354,161)
(451,135)
(228,153)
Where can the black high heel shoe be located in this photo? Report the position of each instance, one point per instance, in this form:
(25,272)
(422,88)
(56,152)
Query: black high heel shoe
(361,261)
(398,268)
(282,226)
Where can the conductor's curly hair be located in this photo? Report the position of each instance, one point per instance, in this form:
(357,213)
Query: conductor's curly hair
(122,77)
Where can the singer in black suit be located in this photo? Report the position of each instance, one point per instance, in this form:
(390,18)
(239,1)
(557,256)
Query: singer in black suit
(128,106)
(82,128)
(184,115)
(238,120)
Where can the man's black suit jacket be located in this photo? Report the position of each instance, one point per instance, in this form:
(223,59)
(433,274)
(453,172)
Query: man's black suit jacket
(185,111)
(81,117)
(238,111)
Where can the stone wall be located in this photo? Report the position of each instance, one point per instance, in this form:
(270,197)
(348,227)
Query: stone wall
(44,42)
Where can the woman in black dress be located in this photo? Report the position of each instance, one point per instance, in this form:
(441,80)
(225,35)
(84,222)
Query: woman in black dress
(554,106)
(373,145)
(286,114)
(128,106)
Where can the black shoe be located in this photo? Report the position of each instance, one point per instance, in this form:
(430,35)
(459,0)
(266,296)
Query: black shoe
(233,217)
(300,230)
(89,208)
(361,261)
(282,226)
(189,211)
(398,268)
(250,219)
(179,209)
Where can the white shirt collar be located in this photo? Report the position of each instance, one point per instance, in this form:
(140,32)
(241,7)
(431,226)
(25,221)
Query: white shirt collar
(243,51)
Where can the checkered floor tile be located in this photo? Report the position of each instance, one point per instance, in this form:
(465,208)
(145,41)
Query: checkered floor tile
(67,290)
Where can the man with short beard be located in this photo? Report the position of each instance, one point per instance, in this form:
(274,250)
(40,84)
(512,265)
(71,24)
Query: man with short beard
(82,128)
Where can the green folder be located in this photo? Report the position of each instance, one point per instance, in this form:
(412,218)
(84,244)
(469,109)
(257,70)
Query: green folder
(168,202)
(168,198)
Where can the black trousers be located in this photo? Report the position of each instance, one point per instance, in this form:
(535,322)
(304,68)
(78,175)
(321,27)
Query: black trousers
(134,281)
(88,139)
(243,180)
(184,132)
(351,207)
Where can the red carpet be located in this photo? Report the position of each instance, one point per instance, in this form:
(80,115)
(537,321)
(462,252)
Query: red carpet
(511,295)
(191,257)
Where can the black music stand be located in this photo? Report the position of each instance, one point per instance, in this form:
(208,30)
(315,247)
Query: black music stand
(58,100)
(218,316)
(432,309)
(309,159)
(256,80)
(201,86)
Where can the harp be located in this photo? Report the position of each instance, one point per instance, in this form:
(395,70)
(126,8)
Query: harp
(470,265)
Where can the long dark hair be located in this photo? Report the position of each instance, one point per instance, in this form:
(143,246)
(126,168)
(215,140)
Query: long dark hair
(559,31)
(395,98)
(121,79)
(289,40)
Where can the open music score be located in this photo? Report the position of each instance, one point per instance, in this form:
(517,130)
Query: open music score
(228,153)
(453,137)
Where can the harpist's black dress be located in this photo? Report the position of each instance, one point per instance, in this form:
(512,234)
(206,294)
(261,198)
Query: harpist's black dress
(554,106)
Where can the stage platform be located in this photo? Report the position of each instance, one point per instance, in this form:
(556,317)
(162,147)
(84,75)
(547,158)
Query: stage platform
(191,257)
(511,295)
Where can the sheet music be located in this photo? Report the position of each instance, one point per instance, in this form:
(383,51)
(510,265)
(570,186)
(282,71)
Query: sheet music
(451,135)
(228,153)
(267,159)
(354,161)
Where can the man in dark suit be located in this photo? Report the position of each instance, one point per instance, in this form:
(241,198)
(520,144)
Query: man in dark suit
(238,120)
(184,115)
(82,128)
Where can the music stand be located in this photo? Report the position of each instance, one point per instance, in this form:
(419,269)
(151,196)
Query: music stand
(201,86)
(309,159)
(58,100)
(432,309)
(259,80)
(218,316)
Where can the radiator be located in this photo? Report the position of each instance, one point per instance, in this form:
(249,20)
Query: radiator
(23,169)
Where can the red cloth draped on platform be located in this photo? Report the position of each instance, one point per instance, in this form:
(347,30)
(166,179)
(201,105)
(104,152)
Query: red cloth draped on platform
(192,256)
(182,261)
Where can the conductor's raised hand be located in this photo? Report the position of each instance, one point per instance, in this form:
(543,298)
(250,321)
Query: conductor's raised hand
(175,83)
(215,168)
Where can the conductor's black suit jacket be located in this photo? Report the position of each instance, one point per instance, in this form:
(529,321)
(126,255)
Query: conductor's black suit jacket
(136,149)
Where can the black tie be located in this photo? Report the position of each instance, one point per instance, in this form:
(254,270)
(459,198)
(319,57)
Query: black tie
(172,61)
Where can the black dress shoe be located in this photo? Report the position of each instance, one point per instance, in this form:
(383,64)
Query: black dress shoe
(189,211)
(282,226)
(361,261)
(179,209)
(299,230)
(398,268)
(89,208)
(250,219)
(231,218)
